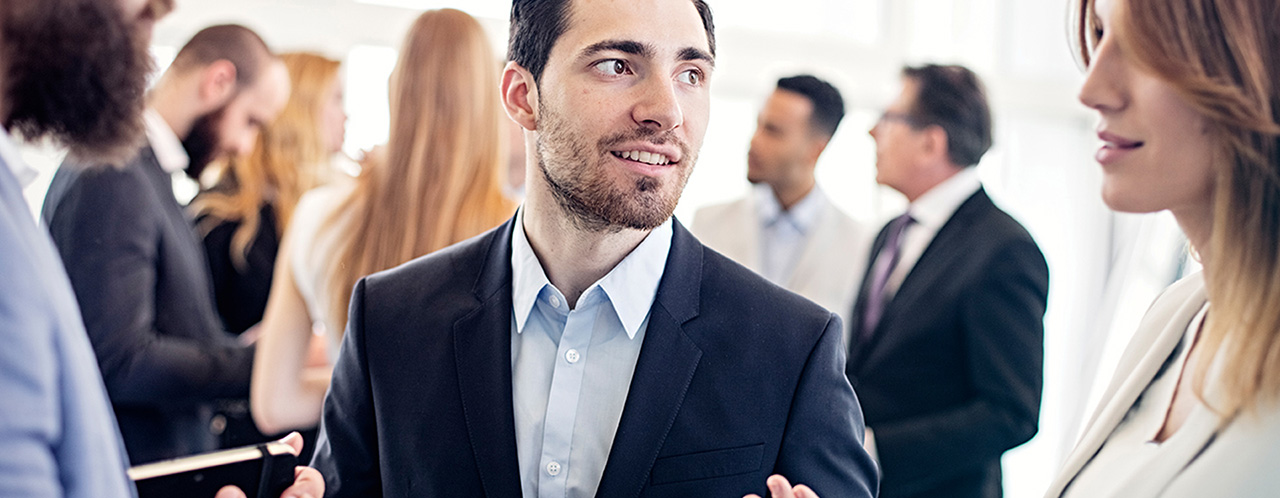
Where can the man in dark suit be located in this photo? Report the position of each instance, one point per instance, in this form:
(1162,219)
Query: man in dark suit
(137,268)
(591,346)
(947,345)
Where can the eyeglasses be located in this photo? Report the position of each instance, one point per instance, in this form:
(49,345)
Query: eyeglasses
(900,117)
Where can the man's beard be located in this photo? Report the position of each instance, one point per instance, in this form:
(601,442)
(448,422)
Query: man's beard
(77,74)
(201,143)
(582,185)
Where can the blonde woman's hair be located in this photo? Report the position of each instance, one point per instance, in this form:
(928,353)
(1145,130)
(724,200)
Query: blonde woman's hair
(440,179)
(283,163)
(1223,57)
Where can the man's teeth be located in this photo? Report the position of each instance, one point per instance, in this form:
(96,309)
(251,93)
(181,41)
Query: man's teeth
(644,157)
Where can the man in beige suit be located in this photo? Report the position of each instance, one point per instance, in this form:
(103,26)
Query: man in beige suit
(787,229)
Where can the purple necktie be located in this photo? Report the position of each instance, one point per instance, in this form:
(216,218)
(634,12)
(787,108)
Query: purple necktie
(883,267)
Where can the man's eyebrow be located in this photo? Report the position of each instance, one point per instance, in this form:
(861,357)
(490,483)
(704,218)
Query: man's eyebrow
(624,46)
(695,54)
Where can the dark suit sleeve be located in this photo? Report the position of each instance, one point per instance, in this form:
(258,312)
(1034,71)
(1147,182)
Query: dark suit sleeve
(107,235)
(347,449)
(822,445)
(1003,320)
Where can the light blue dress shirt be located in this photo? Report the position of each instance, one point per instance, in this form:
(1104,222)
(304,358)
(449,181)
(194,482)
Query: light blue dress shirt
(571,369)
(783,233)
(58,435)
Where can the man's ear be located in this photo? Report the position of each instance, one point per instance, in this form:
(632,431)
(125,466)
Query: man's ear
(817,144)
(217,85)
(935,143)
(520,95)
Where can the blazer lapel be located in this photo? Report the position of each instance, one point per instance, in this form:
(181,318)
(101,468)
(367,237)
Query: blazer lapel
(858,347)
(482,344)
(809,268)
(668,360)
(1157,336)
(931,266)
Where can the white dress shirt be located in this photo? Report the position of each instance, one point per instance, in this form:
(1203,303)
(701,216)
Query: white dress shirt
(10,156)
(783,233)
(930,212)
(171,155)
(165,143)
(571,369)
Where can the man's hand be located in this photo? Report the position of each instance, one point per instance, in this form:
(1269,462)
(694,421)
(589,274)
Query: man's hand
(307,482)
(780,488)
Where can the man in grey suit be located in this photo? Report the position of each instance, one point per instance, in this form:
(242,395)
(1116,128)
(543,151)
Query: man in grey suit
(787,229)
(135,263)
(947,345)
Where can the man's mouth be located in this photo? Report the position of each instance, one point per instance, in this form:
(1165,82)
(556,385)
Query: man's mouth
(650,158)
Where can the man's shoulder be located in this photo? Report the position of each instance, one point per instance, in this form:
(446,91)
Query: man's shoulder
(717,215)
(99,183)
(998,227)
(453,270)
(733,292)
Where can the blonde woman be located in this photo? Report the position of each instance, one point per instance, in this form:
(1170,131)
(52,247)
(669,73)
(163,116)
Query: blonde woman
(245,212)
(437,182)
(1188,96)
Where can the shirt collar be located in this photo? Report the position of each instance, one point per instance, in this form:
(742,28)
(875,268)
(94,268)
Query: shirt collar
(803,214)
(165,143)
(937,205)
(10,156)
(631,286)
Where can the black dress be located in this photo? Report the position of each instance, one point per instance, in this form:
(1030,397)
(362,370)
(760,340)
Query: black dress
(241,294)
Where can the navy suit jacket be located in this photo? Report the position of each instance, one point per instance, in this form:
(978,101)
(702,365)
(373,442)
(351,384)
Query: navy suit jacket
(737,379)
(142,282)
(951,377)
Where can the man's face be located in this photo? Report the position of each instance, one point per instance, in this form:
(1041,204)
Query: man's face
(899,146)
(77,70)
(783,140)
(622,109)
(232,129)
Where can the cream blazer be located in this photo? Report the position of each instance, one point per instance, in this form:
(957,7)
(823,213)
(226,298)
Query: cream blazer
(831,263)
(1239,459)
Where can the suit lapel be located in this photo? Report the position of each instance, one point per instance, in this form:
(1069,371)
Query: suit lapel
(857,347)
(668,360)
(929,268)
(1157,335)
(482,344)
(810,265)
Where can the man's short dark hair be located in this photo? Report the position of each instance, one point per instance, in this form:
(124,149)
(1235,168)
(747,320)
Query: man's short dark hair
(230,42)
(536,25)
(828,106)
(953,97)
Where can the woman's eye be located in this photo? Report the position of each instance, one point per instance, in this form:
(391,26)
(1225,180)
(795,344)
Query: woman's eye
(612,67)
(690,77)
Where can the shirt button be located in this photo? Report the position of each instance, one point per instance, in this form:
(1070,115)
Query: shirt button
(555,301)
(572,356)
(553,468)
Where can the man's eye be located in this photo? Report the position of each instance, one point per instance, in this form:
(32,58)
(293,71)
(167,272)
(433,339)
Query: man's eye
(690,77)
(612,67)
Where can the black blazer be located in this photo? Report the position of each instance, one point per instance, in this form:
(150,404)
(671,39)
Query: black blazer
(737,379)
(951,377)
(142,283)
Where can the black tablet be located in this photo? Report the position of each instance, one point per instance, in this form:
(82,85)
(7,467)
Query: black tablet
(262,471)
